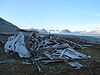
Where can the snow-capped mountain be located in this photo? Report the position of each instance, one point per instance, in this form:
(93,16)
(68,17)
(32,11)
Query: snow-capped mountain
(65,31)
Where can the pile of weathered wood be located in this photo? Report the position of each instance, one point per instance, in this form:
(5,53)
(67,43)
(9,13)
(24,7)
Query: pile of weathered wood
(53,49)
(47,49)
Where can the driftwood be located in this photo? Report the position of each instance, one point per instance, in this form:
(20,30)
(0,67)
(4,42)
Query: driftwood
(52,61)
(1,44)
(4,62)
(87,45)
(38,66)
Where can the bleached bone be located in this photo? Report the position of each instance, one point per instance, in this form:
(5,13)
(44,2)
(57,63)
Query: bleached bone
(16,44)
(75,65)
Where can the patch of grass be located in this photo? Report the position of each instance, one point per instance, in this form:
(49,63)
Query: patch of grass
(95,53)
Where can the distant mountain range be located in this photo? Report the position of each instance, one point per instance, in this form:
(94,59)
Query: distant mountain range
(44,31)
(96,31)
(65,31)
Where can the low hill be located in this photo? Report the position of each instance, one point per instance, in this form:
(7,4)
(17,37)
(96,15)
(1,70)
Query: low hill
(7,27)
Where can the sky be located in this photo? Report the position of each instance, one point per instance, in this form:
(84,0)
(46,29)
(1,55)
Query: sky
(75,15)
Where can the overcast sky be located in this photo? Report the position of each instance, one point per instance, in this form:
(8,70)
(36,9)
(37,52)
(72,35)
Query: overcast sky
(75,15)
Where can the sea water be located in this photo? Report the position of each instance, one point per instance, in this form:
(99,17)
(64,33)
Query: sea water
(82,34)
